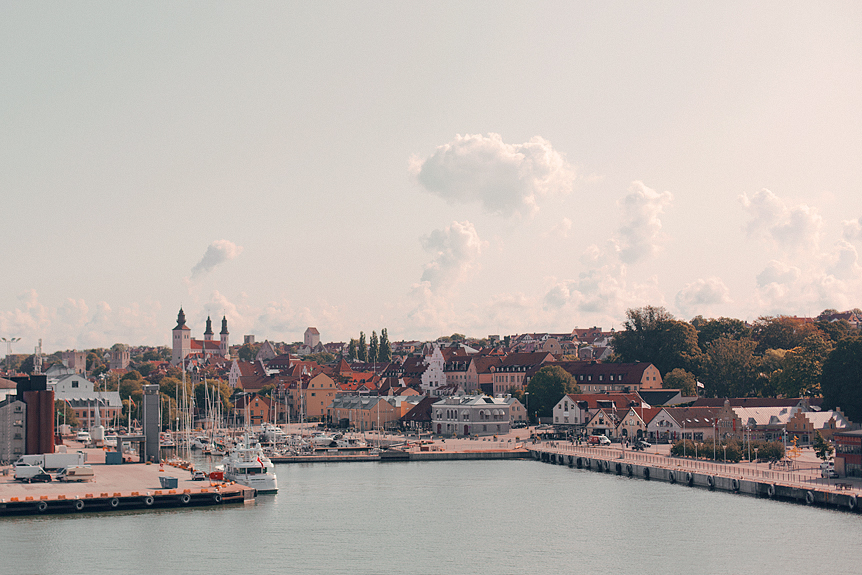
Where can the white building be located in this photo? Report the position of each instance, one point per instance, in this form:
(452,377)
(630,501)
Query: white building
(470,415)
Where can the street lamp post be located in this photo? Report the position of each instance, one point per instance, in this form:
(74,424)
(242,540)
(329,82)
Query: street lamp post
(9,343)
(725,454)
(527,395)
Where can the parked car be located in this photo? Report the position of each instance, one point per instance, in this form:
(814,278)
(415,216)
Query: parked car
(198,475)
(83,437)
(42,477)
(641,444)
(829,473)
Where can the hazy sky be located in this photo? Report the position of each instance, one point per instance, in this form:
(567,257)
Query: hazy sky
(485,168)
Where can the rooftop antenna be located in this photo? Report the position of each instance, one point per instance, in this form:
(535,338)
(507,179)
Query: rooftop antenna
(37,359)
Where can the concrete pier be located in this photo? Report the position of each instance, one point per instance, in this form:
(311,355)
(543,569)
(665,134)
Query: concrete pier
(116,487)
(799,487)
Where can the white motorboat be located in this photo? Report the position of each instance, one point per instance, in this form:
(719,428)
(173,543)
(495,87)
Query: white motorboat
(248,465)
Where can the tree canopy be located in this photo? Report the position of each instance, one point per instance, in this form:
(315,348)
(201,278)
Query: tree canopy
(547,387)
(841,383)
(652,335)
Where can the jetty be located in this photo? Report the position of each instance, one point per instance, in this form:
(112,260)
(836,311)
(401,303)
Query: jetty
(802,486)
(118,487)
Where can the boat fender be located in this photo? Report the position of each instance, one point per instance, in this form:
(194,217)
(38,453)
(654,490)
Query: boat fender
(629,469)
(734,483)
(671,477)
(115,502)
(579,463)
(710,481)
(148,500)
(79,505)
(185,498)
(619,468)
(770,491)
(607,465)
(42,507)
(588,463)
(646,472)
(851,502)
(689,478)
(217,497)
(809,497)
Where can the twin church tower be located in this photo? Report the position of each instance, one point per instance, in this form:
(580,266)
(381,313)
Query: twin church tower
(184,346)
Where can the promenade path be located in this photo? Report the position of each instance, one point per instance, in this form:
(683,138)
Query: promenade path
(804,473)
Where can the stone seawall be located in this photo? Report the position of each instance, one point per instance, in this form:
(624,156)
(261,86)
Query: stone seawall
(714,481)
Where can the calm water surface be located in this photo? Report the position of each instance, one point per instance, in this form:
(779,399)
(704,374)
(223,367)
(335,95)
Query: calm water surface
(495,517)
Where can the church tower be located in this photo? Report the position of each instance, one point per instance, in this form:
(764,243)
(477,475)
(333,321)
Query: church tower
(224,348)
(208,334)
(182,342)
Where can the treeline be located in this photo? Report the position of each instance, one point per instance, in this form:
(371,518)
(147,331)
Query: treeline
(377,350)
(774,356)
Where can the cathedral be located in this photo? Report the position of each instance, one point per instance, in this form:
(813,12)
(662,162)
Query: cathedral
(184,346)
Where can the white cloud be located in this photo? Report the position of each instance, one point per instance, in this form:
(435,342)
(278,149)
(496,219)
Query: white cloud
(217,253)
(505,178)
(701,294)
(456,251)
(790,228)
(852,230)
(640,234)
(560,230)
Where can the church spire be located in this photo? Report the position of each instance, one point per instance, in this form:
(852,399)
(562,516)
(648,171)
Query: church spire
(209,330)
(224,330)
(181,319)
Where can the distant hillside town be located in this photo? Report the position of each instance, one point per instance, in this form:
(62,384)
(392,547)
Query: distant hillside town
(658,378)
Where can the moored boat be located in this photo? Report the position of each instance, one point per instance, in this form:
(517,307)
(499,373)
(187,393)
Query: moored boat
(248,465)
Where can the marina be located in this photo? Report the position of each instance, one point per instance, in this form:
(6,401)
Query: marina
(467,517)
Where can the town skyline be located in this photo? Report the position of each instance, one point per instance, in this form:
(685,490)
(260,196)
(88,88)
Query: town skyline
(426,168)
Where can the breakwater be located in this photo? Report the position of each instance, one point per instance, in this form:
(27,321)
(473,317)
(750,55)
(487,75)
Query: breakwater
(785,486)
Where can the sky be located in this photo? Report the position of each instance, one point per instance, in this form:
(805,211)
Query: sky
(426,167)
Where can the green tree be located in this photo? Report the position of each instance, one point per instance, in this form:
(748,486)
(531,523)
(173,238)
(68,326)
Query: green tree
(682,380)
(547,387)
(652,335)
(841,383)
(322,358)
(711,329)
(802,367)
(821,447)
(457,337)
(385,353)
(730,368)
(351,350)
(248,351)
(64,413)
(28,364)
(362,350)
(373,348)
(781,332)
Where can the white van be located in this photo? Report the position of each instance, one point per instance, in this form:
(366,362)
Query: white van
(25,472)
(83,437)
(75,473)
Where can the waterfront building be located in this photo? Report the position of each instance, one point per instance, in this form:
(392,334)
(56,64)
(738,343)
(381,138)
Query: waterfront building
(13,423)
(574,410)
(82,396)
(470,415)
(364,412)
(848,453)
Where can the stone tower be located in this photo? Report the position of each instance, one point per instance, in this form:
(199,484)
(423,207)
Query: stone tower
(224,336)
(182,340)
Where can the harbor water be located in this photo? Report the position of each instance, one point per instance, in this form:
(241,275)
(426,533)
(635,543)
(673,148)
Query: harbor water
(464,517)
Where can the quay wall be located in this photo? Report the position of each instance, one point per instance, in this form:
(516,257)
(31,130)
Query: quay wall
(712,477)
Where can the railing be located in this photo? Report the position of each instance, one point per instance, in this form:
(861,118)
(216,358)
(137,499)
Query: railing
(798,477)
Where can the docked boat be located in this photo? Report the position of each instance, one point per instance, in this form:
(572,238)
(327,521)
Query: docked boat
(248,465)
